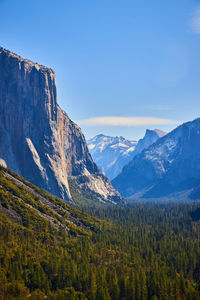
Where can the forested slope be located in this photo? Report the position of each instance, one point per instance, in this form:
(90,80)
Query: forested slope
(49,250)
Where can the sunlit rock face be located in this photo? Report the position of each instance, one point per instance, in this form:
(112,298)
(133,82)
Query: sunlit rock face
(37,138)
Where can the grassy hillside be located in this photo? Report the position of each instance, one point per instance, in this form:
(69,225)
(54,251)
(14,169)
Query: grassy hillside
(50,250)
(27,205)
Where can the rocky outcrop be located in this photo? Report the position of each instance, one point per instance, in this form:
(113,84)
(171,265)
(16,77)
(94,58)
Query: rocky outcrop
(150,137)
(37,138)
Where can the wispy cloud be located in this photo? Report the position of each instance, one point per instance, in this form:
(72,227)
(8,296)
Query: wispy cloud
(195,21)
(126,121)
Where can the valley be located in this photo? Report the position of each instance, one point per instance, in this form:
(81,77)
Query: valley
(66,231)
(50,250)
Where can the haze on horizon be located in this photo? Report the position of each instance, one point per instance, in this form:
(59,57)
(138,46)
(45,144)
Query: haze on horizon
(120,67)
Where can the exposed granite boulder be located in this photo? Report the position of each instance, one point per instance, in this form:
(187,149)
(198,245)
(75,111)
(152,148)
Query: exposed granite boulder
(37,138)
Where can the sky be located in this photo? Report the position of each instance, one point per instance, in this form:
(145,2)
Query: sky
(121,66)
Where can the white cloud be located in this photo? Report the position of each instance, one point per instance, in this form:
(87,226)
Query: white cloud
(126,121)
(195,21)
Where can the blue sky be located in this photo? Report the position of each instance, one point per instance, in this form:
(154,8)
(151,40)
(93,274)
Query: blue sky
(121,66)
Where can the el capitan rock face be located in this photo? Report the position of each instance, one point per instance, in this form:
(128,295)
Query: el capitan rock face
(37,138)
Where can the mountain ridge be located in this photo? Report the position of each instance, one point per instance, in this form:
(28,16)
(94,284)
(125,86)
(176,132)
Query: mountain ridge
(111,154)
(168,166)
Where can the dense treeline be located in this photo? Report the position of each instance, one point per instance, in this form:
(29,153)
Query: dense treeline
(138,252)
(149,253)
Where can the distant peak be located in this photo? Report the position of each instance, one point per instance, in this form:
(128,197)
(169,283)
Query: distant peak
(100,136)
(149,132)
(97,137)
(159,132)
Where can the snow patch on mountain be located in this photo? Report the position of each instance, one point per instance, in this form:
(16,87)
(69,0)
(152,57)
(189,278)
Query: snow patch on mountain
(111,154)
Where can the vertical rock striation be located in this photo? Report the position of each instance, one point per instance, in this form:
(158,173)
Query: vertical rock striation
(37,138)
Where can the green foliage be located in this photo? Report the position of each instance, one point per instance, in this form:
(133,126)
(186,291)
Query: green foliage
(139,252)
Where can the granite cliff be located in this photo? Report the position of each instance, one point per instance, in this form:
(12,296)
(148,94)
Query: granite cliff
(37,138)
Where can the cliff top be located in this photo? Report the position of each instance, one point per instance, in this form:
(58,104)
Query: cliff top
(38,66)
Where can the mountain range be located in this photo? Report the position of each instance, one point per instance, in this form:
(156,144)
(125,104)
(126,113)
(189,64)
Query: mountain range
(40,142)
(111,154)
(169,166)
(37,138)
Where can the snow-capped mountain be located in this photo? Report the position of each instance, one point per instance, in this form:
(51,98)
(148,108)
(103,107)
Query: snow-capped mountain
(170,165)
(111,154)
